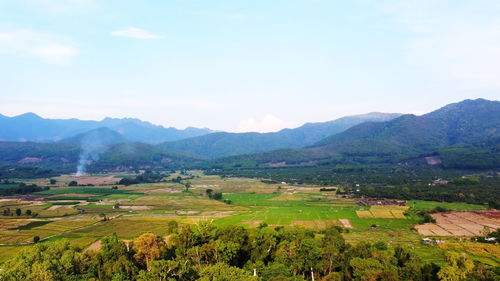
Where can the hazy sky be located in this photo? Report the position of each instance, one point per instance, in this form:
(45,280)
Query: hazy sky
(254,65)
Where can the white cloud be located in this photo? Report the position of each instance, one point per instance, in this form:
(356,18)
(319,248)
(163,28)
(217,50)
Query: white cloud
(43,46)
(268,123)
(134,32)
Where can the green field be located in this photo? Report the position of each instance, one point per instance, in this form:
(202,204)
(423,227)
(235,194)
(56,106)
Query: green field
(75,213)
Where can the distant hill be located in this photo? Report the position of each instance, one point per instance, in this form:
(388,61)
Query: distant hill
(103,136)
(226,144)
(65,156)
(456,131)
(31,127)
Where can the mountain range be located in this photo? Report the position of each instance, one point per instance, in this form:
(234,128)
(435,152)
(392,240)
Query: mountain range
(31,127)
(222,144)
(471,123)
(460,135)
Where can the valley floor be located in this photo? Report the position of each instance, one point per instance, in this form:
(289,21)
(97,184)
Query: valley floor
(77,213)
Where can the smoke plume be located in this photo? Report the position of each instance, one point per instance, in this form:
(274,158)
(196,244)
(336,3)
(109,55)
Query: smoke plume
(92,145)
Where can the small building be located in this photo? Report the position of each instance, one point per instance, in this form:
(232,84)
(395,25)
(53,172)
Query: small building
(426,240)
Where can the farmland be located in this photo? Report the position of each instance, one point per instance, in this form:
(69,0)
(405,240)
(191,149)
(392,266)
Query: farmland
(463,223)
(76,213)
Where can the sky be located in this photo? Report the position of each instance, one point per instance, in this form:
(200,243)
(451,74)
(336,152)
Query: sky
(259,65)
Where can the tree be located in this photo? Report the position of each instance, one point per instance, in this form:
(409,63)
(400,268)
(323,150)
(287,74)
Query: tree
(148,248)
(224,272)
(73,183)
(209,192)
(457,268)
(217,196)
(334,245)
(163,270)
(53,181)
(187,185)
(18,212)
(172,227)
(43,261)
(28,212)
(367,269)
(36,239)
(103,216)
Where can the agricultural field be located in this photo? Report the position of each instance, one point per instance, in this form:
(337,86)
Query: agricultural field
(84,214)
(383,212)
(461,223)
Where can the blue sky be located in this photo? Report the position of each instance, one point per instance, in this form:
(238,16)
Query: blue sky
(258,65)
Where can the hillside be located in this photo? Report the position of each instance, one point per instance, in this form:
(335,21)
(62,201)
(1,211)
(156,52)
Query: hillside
(455,131)
(31,127)
(103,136)
(64,157)
(226,144)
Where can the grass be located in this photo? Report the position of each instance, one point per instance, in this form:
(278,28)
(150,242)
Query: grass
(31,225)
(263,207)
(65,203)
(454,206)
(43,231)
(83,190)
(127,228)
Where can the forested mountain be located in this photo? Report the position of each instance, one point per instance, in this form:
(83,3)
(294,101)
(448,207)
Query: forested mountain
(104,136)
(225,144)
(64,157)
(456,131)
(31,127)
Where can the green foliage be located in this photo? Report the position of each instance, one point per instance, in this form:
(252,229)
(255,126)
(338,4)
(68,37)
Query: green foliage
(20,188)
(23,172)
(466,181)
(205,252)
(147,177)
(464,191)
(217,196)
(224,272)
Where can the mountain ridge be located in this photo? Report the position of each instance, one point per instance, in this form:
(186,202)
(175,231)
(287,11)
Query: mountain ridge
(31,127)
(462,124)
(221,144)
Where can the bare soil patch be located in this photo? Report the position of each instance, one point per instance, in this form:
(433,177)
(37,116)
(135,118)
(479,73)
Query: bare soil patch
(315,224)
(137,208)
(94,247)
(461,223)
(346,223)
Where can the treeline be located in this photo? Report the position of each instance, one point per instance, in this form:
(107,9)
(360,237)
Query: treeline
(23,172)
(148,176)
(20,188)
(204,252)
(345,175)
(483,190)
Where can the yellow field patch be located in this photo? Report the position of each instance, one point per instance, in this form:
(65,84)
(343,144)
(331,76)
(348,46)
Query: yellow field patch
(13,223)
(483,248)
(44,231)
(383,212)
(316,224)
(364,214)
